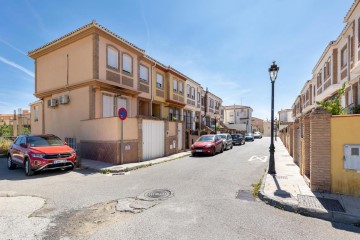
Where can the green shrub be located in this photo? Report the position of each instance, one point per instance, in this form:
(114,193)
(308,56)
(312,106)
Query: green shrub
(4,145)
(334,105)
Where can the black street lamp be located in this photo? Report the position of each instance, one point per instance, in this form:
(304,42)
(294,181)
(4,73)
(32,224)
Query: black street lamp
(273,71)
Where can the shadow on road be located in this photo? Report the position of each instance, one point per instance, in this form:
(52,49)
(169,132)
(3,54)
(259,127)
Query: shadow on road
(19,173)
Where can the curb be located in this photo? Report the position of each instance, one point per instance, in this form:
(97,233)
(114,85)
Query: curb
(126,170)
(308,212)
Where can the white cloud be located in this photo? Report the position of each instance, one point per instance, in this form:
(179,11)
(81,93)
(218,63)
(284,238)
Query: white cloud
(12,46)
(15,65)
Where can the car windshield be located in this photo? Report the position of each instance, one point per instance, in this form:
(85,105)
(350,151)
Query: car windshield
(248,134)
(235,136)
(206,139)
(223,136)
(38,141)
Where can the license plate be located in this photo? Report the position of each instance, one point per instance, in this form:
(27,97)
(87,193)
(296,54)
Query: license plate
(199,150)
(59,161)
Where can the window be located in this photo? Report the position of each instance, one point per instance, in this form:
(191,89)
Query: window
(188,89)
(36,113)
(108,105)
(193,93)
(127,63)
(198,97)
(354,151)
(159,80)
(121,103)
(237,113)
(327,71)
(112,58)
(181,86)
(175,85)
(319,80)
(144,73)
(344,56)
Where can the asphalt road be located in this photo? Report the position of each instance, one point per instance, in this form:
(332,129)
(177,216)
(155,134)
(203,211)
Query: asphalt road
(205,205)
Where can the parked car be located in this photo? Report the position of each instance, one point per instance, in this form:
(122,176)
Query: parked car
(209,144)
(249,137)
(40,152)
(228,143)
(238,139)
(257,135)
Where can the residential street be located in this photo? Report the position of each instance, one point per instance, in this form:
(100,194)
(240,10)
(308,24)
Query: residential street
(208,200)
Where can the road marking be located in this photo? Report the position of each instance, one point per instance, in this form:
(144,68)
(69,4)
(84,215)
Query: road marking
(257,158)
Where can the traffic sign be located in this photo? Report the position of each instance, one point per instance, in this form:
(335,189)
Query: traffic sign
(122,113)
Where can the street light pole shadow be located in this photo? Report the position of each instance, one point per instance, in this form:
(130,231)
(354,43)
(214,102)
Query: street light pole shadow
(279,192)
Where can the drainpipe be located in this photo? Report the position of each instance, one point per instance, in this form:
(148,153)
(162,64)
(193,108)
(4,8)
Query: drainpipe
(152,89)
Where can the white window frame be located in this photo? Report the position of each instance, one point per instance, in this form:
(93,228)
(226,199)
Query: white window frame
(127,63)
(107,105)
(36,113)
(159,84)
(181,88)
(175,85)
(112,57)
(144,76)
(193,93)
(188,90)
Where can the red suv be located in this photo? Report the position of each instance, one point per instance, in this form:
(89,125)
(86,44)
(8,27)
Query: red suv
(40,152)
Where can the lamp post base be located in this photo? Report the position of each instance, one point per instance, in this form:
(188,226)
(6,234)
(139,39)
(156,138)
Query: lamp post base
(271,169)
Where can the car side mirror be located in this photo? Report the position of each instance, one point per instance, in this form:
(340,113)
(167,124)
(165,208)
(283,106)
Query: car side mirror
(65,143)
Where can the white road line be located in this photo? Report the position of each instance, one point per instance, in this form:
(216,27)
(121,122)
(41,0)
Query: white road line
(258,158)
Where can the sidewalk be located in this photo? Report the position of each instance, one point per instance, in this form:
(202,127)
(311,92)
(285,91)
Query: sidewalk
(288,190)
(122,169)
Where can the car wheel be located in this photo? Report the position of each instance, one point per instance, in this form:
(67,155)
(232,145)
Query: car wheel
(231,146)
(10,163)
(193,154)
(222,149)
(225,147)
(213,152)
(28,170)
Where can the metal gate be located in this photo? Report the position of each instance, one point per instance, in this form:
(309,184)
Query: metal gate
(179,136)
(153,139)
(298,149)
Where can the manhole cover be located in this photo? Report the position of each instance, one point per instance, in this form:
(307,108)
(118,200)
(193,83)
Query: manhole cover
(321,203)
(245,195)
(155,194)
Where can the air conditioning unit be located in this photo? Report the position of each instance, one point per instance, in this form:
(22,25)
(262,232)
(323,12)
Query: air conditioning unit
(52,102)
(64,99)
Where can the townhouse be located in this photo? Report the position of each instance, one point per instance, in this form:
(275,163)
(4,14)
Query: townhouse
(326,146)
(238,117)
(84,77)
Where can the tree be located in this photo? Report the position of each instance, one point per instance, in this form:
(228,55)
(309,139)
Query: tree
(334,105)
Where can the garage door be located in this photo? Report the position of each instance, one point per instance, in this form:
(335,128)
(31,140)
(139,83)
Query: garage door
(153,139)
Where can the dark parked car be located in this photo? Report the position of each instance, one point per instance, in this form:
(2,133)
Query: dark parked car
(228,143)
(238,139)
(249,137)
(209,144)
(40,152)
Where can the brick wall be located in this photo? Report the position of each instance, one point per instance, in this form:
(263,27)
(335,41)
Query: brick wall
(306,137)
(320,146)
(291,147)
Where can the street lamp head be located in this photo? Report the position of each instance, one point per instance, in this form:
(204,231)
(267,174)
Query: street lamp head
(273,71)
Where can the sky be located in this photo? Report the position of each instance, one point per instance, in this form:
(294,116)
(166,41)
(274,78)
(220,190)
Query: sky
(225,45)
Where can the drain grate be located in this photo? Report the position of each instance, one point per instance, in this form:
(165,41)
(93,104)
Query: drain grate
(290,164)
(155,194)
(321,203)
(245,195)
